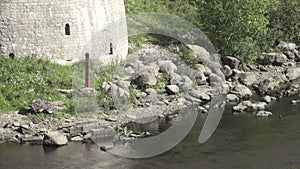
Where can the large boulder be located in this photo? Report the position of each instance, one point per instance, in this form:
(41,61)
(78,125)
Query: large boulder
(241,107)
(55,138)
(232,62)
(293,73)
(116,91)
(146,76)
(249,78)
(236,74)
(276,59)
(227,71)
(200,52)
(286,46)
(175,79)
(202,69)
(167,66)
(42,106)
(242,91)
(263,114)
(232,98)
(290,54)
(183,82)
(199,94)
(172,89)
(268,86)
(258,106)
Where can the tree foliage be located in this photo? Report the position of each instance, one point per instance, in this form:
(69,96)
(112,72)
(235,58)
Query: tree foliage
(284,21)
(241,28)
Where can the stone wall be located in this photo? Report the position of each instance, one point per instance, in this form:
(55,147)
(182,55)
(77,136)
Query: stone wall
(61,29)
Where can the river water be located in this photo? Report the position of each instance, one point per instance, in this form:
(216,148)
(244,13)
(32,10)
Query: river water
(240,142)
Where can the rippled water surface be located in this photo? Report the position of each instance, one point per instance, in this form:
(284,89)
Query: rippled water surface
(240,142)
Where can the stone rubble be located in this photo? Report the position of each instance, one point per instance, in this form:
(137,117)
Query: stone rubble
(277,75)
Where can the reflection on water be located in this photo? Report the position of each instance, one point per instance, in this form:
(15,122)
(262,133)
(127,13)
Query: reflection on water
(240,142)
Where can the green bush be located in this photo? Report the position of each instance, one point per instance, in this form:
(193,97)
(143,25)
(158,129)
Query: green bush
(284,21)
(237,28)
(232,25)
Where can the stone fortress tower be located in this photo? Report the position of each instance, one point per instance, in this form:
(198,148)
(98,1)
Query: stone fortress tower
(60,29)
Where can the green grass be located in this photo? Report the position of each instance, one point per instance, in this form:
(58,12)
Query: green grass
(25,79)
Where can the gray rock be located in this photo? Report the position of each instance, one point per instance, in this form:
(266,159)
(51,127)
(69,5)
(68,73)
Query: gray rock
(268,86)
(293,73)
(148,55)
(42,106)
(232,62)
(167,66)
(105,86)
(117,91)
(129,70)
(286,46)
(215,80)
(248,78)
(175,79)
(236,74)
(232,98)
(263,114)
(16,124)
(262,68)
(172,89)
(201,69)
(151,91)
(258,106)
(146,76)
(297,55)
(289,54)
(186,83)
(123,84)
(202,110)
(131,116)
(25,129)
(77,139)
(199,94)
(242,91)
(55,138)
(87,136)
(280,59)
(276,59)
(141,95)
(227,71)
(1,131)
(243,106)
(192,99)
(295,102)
(267,99)
(74,131)
(200,52)
(37,140)
(201,79)
(43,130)
(86,91)
(65,91)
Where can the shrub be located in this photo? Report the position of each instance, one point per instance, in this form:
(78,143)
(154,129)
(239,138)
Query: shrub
(284,21)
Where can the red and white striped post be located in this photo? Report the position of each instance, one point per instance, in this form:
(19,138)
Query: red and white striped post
(87,70)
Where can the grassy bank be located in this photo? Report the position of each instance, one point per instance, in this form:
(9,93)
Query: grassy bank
(23,80)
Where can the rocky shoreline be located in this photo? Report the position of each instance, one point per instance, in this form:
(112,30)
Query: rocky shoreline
(163,86)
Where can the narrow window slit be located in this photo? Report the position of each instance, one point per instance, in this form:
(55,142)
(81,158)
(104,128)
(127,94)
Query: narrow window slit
(12,55)
(67,29)
(111,50)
